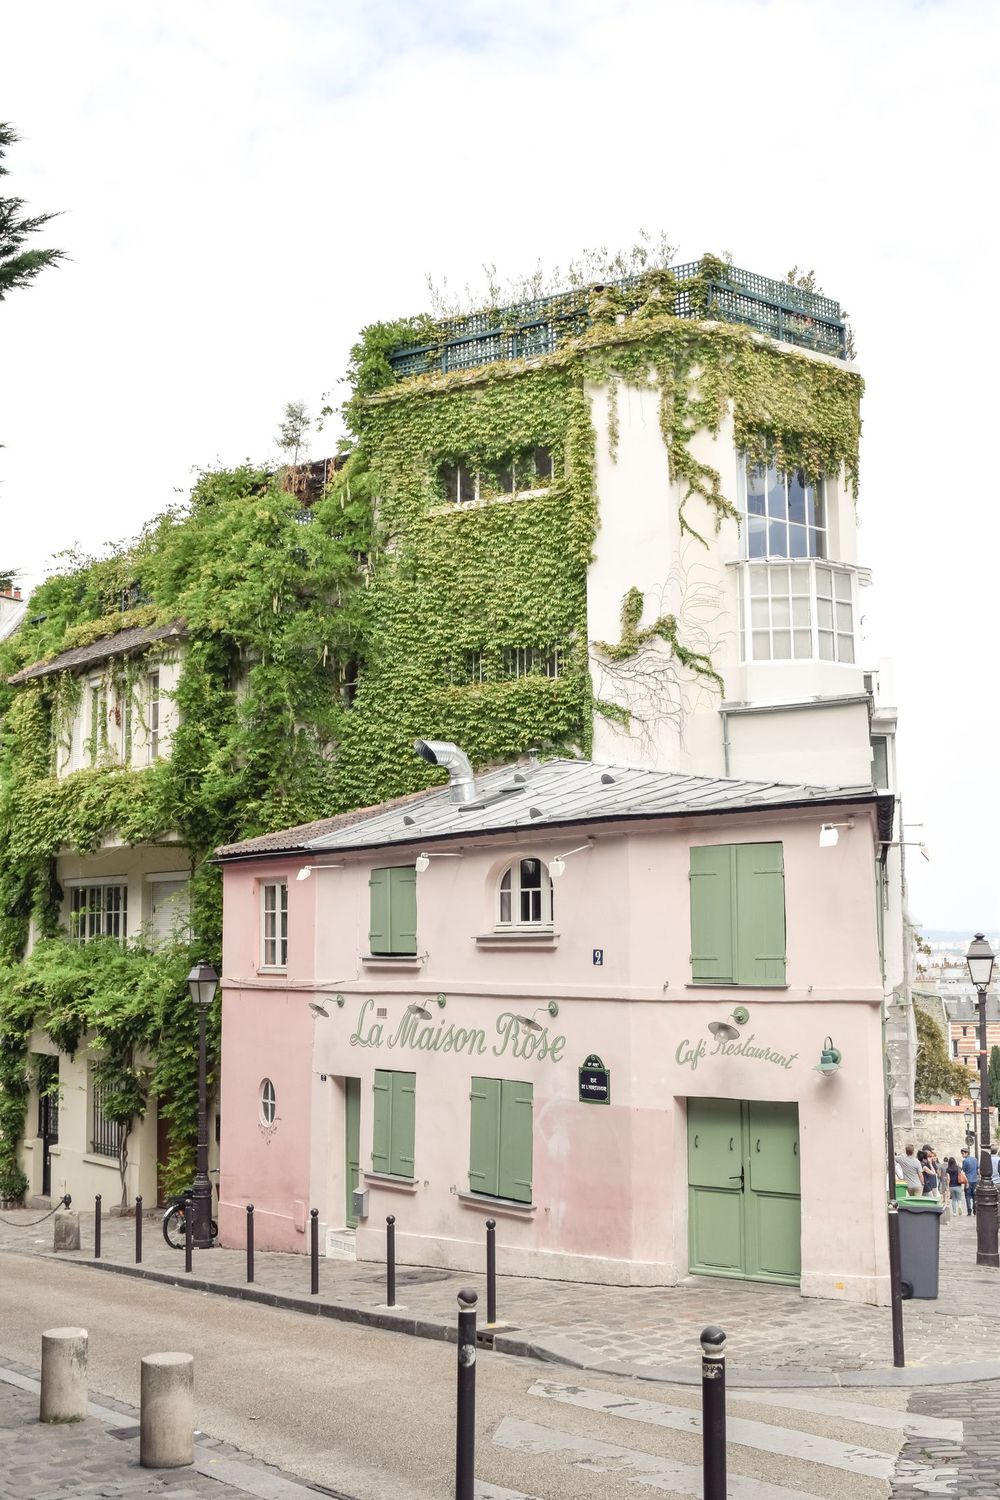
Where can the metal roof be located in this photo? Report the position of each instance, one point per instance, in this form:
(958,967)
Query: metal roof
(119,644)
(558,792)
(287,840)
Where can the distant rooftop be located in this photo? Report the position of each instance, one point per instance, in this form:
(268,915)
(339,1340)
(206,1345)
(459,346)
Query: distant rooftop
(715,291)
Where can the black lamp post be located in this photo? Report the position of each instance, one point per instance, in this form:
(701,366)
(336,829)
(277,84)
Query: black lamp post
(980,959)
(203,983)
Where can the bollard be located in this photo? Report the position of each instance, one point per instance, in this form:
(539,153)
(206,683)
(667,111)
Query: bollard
(465,1423)
(64,1375)
(314,1251)
(249,1242)
(188,1232)
(97,1227)
(138,1229)
(491,1271)
(713,1412)
(166,1411)
(390,1261)
(66,1232)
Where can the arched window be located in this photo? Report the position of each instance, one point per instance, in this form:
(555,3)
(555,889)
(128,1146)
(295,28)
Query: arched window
(268,1102)
(525,895)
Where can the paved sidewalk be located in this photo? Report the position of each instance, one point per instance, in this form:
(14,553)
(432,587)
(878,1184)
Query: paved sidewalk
(776,1336)
(100,1457)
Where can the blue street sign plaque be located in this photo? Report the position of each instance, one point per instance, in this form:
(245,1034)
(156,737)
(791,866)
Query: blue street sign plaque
(595,1082)
(599,957)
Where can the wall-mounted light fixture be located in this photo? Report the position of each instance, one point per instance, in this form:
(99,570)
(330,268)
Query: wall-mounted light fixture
(530,1024)
(829,1059)
(421,1012)
(828,835)
(422,861)
(318,1007)
(728,1031)
(557,866)
(307,870)
(907,844)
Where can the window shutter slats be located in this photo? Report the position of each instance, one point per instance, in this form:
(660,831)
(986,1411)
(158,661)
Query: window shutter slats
(516,1105)
(712,914)
(403,909)
(382,1125)
(401,1151)
(760,914)
(378,930)
(484,1136)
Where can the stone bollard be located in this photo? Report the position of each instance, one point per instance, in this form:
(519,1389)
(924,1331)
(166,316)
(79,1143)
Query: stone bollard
(64,1375)
(66,1234)
(166,1411)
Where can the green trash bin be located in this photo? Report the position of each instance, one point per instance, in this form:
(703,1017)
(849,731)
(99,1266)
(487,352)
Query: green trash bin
(919,1246)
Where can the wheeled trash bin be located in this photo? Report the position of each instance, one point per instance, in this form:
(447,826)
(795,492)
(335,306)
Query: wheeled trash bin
(919,1246)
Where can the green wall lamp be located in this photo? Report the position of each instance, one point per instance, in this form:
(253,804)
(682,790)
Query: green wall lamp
(829,1059)
(728,1031)
(530,1024)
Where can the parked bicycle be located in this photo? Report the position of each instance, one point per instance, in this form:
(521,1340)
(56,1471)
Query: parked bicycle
(175,1219)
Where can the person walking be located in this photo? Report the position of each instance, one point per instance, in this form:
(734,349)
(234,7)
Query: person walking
(909,1170)
(956,1187)
(929,1174)
(970,1167)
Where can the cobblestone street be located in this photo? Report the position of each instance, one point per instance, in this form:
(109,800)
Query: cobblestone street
(773,1331)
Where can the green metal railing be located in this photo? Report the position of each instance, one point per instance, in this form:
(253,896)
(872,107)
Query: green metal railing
(776,308)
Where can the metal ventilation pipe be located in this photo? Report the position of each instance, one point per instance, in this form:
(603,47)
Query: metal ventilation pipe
(456,763)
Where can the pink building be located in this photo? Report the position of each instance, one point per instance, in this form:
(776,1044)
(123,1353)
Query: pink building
(589,1002)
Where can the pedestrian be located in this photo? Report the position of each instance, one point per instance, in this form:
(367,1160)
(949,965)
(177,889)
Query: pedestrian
(995,1158)
(970,1167)
(956,1185)
(929,1174)
(909,1170)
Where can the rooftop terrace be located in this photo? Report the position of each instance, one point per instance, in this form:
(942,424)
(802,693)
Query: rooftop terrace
(707,289)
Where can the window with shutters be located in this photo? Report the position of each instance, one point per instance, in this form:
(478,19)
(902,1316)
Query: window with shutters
(738,914)
(394,1126)
(500,1139)
(393,929)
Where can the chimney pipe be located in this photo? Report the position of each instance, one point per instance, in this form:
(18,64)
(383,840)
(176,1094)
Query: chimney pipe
(456,763)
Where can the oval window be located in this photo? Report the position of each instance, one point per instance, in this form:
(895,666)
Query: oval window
(268,1101)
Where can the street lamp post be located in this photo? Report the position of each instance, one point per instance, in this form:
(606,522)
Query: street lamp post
(203,983)
(980,959)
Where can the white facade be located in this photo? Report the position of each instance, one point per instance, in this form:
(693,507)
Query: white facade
(124,714)
(783,632)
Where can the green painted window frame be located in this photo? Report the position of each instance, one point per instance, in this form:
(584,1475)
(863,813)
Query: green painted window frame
(392,931)
(738,932)
(394,1123)
(501,1138)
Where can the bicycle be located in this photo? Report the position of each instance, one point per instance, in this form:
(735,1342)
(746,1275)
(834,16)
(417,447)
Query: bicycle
(175,1220)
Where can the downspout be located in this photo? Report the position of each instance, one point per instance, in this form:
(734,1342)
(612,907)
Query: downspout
(724,712)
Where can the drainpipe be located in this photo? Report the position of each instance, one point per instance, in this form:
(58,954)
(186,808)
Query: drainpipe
(724,712)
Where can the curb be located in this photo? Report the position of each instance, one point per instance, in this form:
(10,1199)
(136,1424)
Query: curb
(560,1350)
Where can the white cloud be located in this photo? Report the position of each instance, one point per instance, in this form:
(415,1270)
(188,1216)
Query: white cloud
(246,184)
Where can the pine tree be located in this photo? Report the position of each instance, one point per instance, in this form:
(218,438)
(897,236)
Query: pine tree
(19,266)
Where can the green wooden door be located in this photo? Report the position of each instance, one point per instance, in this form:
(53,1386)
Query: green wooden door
(352,1145)
(743,1189)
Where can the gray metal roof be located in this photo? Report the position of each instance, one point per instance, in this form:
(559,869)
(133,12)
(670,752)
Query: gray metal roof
(119,644)
(965,1009)
(558,792)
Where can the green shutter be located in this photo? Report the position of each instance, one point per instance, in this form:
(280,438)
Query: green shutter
(515,1141)
(404,1090)
(382,1127)
(484,1136)
(403,909)
(760,914)
(712,914)
(378,931)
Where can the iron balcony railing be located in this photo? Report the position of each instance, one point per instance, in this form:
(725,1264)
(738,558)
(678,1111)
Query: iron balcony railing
(777,308)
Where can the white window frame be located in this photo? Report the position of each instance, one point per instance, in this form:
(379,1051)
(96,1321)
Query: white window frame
(96,923)
(813,607)
(267,1102)
(153,701)
(532,661)
(97,718)
(274,916)
(472,479)
(813,533)
(513,899)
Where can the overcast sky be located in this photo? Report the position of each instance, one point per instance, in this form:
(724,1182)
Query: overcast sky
(245,183)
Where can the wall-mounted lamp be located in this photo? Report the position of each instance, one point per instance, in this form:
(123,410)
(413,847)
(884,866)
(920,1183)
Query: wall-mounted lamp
(318,1007)
(307,870)
(422,861)
(728,1031)
(529,1023)
(828,835)
(829,1059)
(421,1011)
(557,866)
(906,844)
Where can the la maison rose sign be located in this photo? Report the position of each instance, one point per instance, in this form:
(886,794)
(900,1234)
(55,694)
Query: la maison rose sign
(512,1038)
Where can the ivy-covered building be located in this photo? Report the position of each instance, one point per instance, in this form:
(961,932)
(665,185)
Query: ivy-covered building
(617,523)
